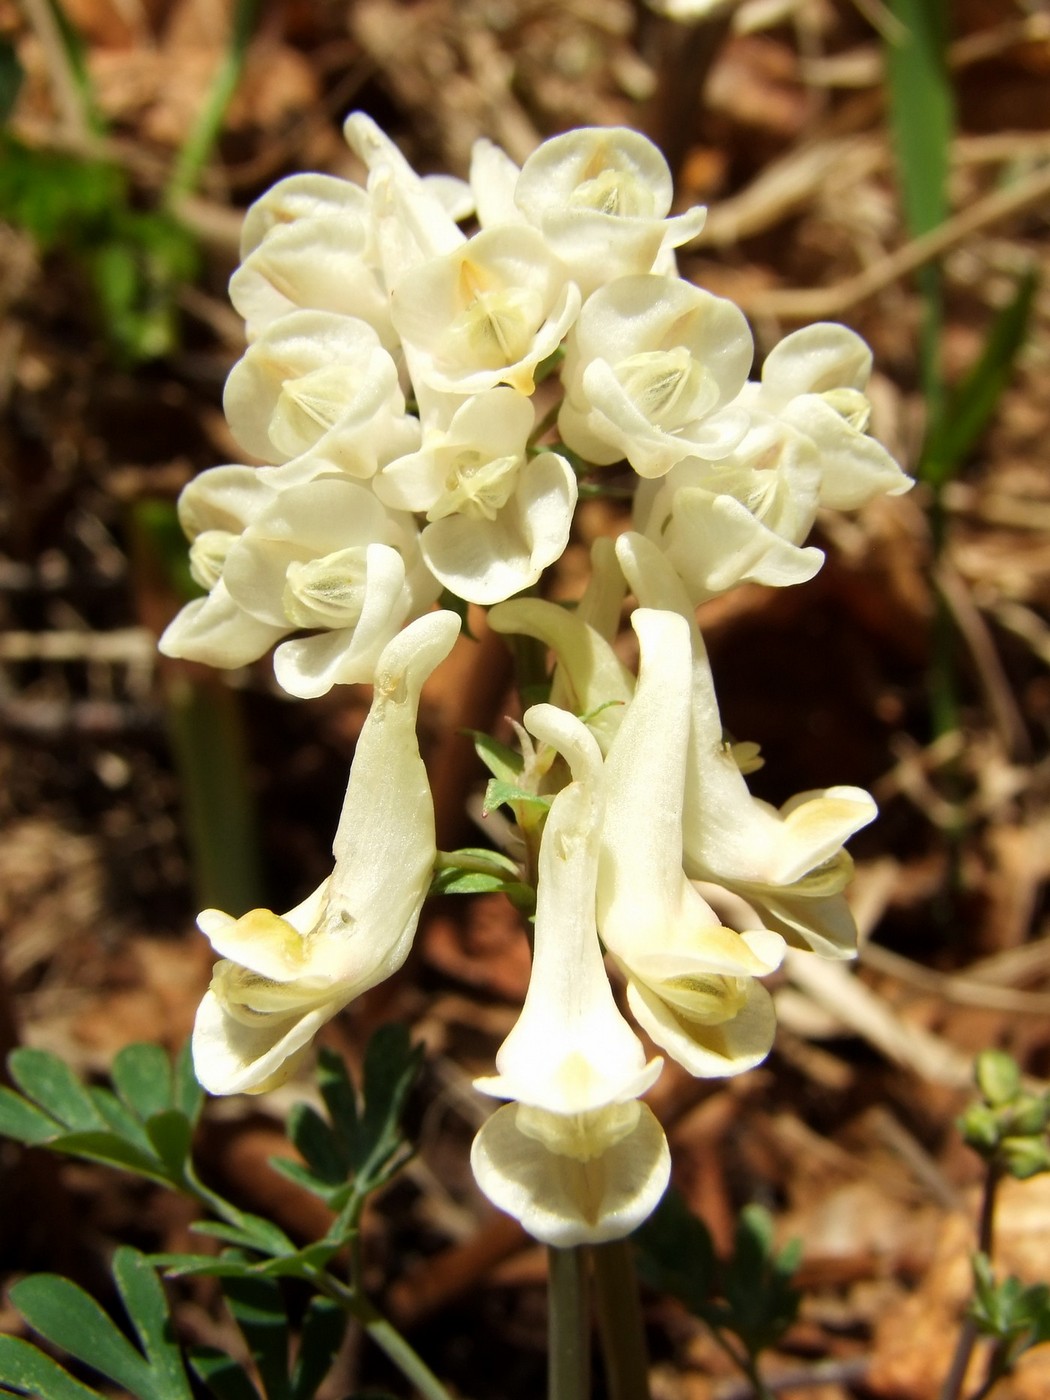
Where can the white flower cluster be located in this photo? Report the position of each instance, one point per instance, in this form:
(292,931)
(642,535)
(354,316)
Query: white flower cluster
(388,391)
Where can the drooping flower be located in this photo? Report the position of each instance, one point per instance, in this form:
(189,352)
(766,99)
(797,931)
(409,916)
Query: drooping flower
(788,864)
(691,982)
(575,1157)
(282,976)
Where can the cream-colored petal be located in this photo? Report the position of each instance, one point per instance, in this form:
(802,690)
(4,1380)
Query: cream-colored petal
(301,197)
(565,1202)
(813,360)
(230,1057)
(487,561)
(708,1051)
(218,632)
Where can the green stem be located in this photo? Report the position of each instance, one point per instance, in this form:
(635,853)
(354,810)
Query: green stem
(408,1362)
(968,1334)
(944,699)
(544,425)
(211,1200)
(567,1331)
(620,1321)
(383,1333)
(746,1362)
(201,140)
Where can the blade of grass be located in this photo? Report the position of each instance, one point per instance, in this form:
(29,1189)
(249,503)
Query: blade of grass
(973,401)
(921,116)
(921,111)
(202,139)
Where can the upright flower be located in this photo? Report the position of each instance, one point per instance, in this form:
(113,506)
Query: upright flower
(575,1157)
(814,380)
(309,243)
(282,976)
(322,554)
(486,313)
(742,519)
(600,195)
(651,369)
(319,384)
(496,516)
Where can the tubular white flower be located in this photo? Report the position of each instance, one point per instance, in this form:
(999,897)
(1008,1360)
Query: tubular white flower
(486,313)
(319,384)
(787,864)
(740,520)
(600,197)
(814,380)
(282,976)
(576,1158)
(651,369)
(690,982)
(496,517)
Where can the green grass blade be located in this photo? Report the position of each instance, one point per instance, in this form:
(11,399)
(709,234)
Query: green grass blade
(973,401)
(921,109)
(922,120)
(201,141)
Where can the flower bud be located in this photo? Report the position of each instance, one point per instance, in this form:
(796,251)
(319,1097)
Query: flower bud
(997,1076)
(979,1126)
(1024,1157)
(1027,1116)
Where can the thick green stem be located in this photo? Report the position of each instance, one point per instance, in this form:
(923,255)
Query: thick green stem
(620,1321)
(568,1334)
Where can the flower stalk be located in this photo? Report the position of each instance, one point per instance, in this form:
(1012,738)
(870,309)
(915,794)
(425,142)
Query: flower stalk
(620,1323)
(568,1330)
